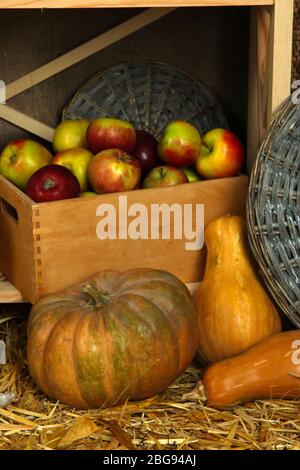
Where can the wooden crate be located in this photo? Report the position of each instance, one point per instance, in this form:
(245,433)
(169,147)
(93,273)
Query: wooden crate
(54,244)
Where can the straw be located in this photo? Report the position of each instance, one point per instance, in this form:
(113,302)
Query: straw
(176,419)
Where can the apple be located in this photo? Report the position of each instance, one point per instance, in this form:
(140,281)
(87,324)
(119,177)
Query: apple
(191,174)
(165,175)
(77,161)
(110,133)
(113,170)
(180,144)
(222,156)
(88,194)
(70,134)
(52,183)
(145,151)
(21,158)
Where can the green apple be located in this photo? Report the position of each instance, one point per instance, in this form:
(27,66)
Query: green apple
(88,194)
(70,134)
(21,158)
(77,160)
(180,144)
(165,175)
(191,173)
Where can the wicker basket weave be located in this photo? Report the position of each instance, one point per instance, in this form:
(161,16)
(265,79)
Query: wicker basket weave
(149,95)
(273,209)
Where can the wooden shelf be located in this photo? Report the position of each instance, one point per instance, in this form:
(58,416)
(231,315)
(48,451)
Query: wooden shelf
(8,293)
(128,3)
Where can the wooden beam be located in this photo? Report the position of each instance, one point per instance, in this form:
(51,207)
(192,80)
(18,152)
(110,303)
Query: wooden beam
(280,50)
(271,37)
(127,3)
(85,50)
(26,122)
(8,293)
(260,21)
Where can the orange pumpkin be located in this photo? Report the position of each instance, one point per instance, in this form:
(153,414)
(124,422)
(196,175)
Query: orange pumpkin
(114,337)
(270,369)
(233,308)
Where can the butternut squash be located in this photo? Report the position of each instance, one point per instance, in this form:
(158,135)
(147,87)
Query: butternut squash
(234,311)
(270,369)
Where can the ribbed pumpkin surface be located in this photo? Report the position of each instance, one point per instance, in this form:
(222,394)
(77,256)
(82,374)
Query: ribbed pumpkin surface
(114,337)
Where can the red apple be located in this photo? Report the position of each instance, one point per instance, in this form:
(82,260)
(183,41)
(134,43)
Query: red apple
(109,133)
(223,155)
(191,174)
(52,183)
(179,144)
(145,151)
(21,158)
(113,170)
(70,134)
(77,161)
(164,176)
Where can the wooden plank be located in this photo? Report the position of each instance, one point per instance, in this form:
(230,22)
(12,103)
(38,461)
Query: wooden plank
(85,50)
(260,21)
(280,45)
(271,37)
(8,293)
(127,3)
(26,122)
(193,287)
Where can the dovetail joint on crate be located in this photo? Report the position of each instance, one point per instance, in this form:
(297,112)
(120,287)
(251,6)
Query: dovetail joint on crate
(37,250)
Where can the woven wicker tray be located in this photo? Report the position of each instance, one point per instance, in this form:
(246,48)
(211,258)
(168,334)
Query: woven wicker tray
(273,209)
(149,95)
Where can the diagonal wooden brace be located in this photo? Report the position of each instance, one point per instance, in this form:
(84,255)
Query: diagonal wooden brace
(67,60)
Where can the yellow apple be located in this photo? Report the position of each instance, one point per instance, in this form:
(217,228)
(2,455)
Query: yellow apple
(70,134)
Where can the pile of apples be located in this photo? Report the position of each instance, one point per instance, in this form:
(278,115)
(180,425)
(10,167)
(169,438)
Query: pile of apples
(108,155)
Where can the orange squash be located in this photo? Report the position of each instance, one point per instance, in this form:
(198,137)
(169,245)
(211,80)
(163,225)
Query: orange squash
(234,311)
(270,369)
(114,337)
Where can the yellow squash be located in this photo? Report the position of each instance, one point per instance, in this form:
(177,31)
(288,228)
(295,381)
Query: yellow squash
(234,310)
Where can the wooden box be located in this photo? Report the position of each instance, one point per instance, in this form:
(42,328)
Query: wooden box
(47,246)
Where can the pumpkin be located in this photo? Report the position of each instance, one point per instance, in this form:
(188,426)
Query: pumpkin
(270,369)
(234,310)
(114,337)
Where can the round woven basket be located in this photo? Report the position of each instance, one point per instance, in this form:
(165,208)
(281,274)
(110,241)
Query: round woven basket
(273,209)
(149,95)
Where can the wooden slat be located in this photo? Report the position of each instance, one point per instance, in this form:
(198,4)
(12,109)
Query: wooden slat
(193,287)
(127,3)
(26,122)
(259,70)
(281,42)
(271,37)
(8,293)
(85,50)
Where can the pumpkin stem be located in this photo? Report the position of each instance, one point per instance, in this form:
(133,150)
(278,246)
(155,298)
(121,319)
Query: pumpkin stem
(96,297)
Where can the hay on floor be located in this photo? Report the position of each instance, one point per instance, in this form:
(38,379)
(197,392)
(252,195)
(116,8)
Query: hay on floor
(177,419)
